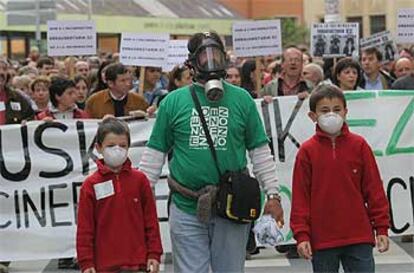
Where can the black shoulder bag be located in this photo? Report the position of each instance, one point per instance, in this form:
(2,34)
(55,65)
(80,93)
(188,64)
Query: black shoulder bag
(238,195)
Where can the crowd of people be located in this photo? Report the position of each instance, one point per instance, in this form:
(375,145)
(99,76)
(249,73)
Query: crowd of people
(103,86)
(45,88)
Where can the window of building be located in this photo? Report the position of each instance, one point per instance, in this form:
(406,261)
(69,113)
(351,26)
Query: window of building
(377,23)
(356,19)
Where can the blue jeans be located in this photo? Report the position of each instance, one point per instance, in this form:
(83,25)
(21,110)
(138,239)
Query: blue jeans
(354,258)
(196,246)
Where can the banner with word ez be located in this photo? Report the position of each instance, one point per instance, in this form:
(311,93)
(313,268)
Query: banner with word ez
(43,164)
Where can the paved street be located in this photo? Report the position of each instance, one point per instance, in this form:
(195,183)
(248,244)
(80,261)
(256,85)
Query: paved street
(400,259)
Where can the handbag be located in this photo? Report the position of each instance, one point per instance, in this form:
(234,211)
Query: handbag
(238,195)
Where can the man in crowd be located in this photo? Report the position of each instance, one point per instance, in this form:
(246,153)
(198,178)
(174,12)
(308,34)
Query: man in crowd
(82,68)
(313,73)
(373,79)
(216,242)
(290,81)
(116,100)
(45,65)
(403,67)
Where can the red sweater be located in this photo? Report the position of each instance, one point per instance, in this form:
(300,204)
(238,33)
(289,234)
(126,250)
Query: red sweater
(119,231)
(338,197)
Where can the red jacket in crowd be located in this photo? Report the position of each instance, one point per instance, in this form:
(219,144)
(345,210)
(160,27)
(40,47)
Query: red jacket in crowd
(120,231)
(338,196)
(77,114)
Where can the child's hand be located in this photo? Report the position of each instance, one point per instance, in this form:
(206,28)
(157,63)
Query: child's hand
(383,243)
(90,270)
(305,250)
(153,266)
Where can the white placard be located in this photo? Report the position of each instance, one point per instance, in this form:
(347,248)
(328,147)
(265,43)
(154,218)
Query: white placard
(177,54)
(332,11)
(143,49)
(405,26)
(335,40)
(71,38)
(257,38)
(384,42)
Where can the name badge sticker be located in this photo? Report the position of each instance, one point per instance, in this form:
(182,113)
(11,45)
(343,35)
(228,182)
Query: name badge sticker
(104,189)
(15,106)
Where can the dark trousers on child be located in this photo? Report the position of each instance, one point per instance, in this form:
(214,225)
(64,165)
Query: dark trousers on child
(354,258)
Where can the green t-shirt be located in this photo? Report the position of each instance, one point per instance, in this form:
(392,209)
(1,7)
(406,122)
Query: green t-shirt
(234,124)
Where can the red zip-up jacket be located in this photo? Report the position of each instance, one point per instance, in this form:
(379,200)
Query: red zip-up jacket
(119,231)
(338,197)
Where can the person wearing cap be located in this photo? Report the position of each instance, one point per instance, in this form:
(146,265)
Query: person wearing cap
(201,242)
(14,107)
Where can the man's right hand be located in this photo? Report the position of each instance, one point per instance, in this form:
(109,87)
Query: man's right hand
(267,99)
(305,250)
(89,270)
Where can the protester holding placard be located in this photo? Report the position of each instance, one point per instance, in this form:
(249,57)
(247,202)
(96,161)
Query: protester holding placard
(336,169)
(118,229)
(116,100)
(200,238)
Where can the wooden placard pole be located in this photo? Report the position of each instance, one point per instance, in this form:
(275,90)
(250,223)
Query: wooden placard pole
(258,76)
(141,81)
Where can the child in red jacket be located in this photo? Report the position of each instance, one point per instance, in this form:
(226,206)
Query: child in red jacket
(339,208)
(117,220)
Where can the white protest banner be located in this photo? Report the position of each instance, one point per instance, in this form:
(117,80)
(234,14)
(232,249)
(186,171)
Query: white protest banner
(257,38)
(177,54)
(41,171)
(405,26)
(334,40)
(384,42)
(144,49)
(71,38)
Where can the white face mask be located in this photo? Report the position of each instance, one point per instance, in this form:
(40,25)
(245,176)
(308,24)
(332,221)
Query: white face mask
(330,123)
(114,156)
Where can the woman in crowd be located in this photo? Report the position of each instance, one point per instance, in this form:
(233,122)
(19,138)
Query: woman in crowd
(63,96)
(248,77)
(40,93)
(347,74)
(82,90)
(178,77)
(233,75)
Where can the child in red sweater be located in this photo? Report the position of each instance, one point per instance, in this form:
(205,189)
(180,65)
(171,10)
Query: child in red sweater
(117,220)
(339,208)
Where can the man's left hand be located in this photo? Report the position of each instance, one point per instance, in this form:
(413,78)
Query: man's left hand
(274,208)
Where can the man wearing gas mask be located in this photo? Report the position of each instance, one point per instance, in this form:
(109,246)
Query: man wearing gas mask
(201,239)
(14,108)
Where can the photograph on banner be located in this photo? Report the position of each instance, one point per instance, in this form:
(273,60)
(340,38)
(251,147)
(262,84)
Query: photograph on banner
(405,26)
(144,49)
(384,42)
(177,54)
(333,40)
(71,38)
(257,38)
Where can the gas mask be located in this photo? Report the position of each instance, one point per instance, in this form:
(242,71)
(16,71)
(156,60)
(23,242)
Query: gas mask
(209,63)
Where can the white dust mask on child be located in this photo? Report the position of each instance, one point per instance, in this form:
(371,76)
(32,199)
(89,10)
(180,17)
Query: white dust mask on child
(114,156)
(330,123)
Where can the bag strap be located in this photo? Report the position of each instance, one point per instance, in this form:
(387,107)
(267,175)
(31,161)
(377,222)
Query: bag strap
(205,128)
